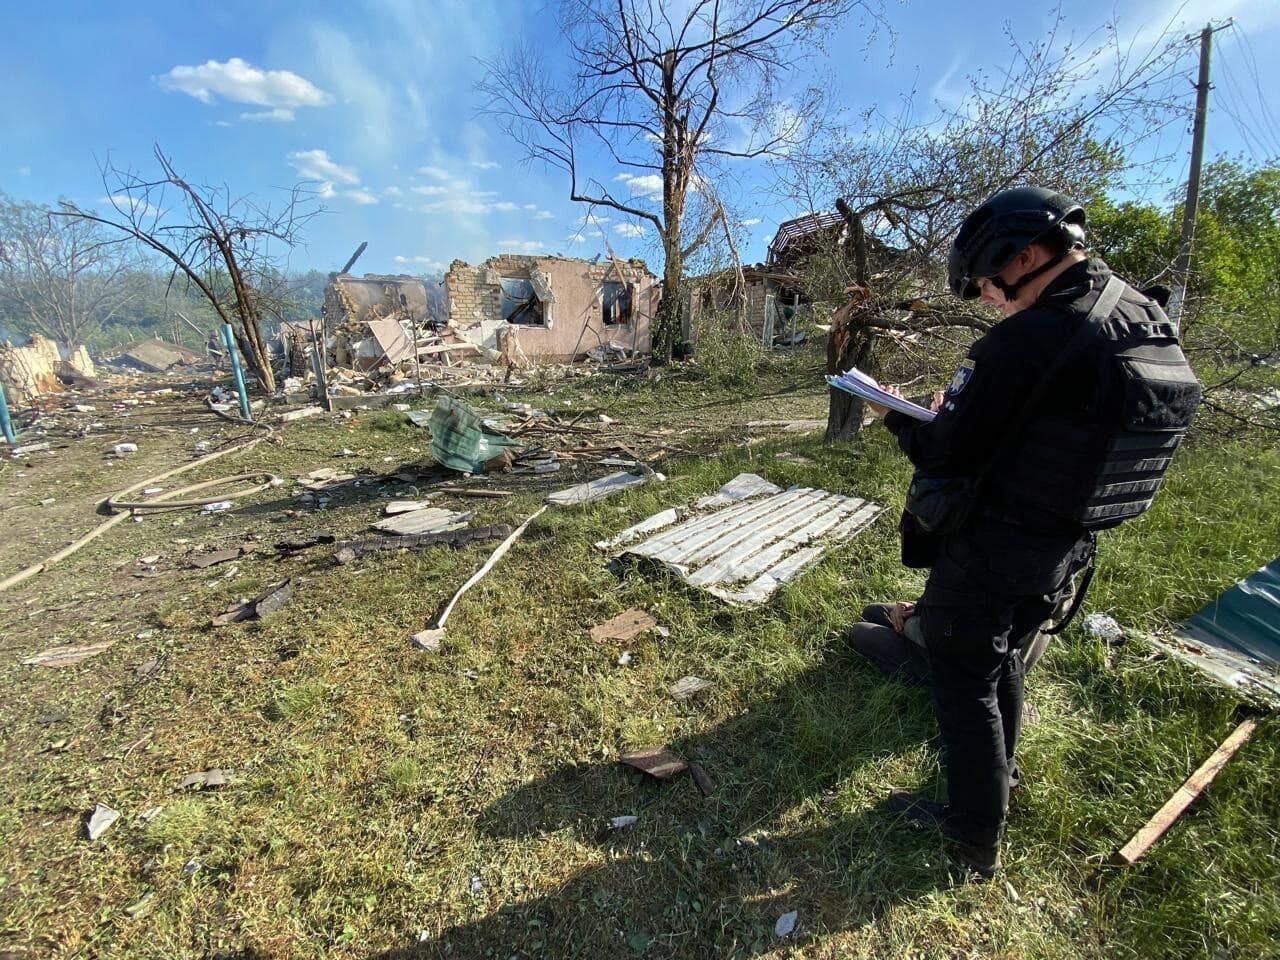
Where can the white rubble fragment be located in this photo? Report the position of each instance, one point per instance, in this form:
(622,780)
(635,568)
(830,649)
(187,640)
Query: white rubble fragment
(786,924)
(1104,627)
(100,821)
(217,507)
(121,449)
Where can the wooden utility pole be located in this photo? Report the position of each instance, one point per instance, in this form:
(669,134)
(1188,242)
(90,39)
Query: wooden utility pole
(1182,265)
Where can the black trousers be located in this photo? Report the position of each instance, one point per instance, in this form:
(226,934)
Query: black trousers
(991,588)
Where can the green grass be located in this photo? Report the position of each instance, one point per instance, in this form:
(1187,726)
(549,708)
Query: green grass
(373,783)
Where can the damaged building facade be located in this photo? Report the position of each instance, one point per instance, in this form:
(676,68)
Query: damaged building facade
(544,309)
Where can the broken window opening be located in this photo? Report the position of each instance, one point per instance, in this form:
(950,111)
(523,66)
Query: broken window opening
(520,304)
(615,303)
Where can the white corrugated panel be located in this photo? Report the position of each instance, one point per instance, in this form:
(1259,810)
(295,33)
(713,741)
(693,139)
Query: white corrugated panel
(744,552)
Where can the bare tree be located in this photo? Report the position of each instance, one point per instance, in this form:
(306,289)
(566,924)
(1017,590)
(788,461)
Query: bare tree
(224,246)
(1056,115)
(666,98)
(57,276)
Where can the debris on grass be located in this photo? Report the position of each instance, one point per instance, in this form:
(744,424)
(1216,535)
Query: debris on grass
(476,885)
(272,600)
(120,449)
(657,762)
(68,655)
(220,506)
(99,821)
(149,814)
(206,779)
(426,641)
(786,924)
(407,506)
(742,487)
(702,779)
(624,658)
(625,626)
(1104,627)
(621,823)
(686,687)
(319,538)
(147,668)
(202,560)
(744,552)
(424,521)
(600,488)
(658,521)
(452,538)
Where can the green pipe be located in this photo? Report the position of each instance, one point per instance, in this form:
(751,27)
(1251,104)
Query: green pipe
(5,423)
(229,338)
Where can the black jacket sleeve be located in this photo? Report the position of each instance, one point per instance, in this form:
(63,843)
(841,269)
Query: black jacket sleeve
(1002,369)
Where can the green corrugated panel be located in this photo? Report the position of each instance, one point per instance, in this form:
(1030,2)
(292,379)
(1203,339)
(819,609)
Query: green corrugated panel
(460,440)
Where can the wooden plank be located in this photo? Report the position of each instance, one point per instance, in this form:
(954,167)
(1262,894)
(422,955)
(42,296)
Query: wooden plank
(1183,797)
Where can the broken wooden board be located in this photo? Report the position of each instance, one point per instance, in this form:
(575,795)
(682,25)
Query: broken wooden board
(1183,797)
(67,656)
(407,506)
(275,597)
(658,762)
(745,552)
(417,523)
(625,626)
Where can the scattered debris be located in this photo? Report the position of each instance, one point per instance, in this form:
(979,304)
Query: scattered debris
(192,867)
(1104,627)
(658,521)
(147,668)
(621,823)
(452,538)
(744,552)
(120,449)
(1185,795)
(742,487)
(29,448)
(405,506)
(206,779)
(786,924)
(99,821)
(477,885)
(67,656)
(474,492)
(272,600)
(786,426)
(218,506)
(202,560)
(686,687)
(705,784)
(320,538)
(149,559)
(301,413)
(424,521)
(658,762)
(624,658)
(598,489)
(149,814)
(426,641)
(625,626)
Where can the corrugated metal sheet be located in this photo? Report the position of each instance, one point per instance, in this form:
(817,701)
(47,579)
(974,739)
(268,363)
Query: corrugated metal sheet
(1236,637)
(744,552)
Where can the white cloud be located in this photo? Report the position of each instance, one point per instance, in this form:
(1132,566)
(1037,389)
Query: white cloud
(649,185)
(24,171)
(361,196)
(431,191)
(279,114)
(242,82)
(393,192)
(325,191)
(317,165)
(589,218)
(749,222)
(506,206)
(522,246)
(431,263)
(439,173)
(629,229)
(531,206)
(543,215)
(484,164)
(123,201)
(223,123)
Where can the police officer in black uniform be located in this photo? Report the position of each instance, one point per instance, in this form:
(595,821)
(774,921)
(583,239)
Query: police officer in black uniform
(1066,413)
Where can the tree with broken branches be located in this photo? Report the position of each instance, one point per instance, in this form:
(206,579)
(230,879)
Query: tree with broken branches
(1057,115)
(59,277)
(665,97)
(223,246)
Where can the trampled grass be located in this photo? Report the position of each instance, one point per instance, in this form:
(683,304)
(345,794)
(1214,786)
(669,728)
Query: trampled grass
(388,802)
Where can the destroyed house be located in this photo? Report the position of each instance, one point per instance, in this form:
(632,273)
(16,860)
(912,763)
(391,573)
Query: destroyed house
(552,308)
(370,319)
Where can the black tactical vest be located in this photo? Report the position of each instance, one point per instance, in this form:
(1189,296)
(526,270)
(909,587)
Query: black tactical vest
(1098,455)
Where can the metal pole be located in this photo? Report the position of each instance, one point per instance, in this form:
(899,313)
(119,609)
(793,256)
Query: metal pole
(5,423)
(229,338)
(1182,265)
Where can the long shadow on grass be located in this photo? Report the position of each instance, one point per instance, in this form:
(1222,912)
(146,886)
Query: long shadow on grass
(697,877)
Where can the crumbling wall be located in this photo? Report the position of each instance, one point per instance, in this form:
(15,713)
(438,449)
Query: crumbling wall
(350,300)
(33,369)
(576,322)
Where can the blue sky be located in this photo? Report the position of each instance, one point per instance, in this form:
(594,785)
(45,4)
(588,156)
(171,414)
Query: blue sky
(375,101)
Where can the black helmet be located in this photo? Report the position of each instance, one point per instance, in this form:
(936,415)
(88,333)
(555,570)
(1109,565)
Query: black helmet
(998,230)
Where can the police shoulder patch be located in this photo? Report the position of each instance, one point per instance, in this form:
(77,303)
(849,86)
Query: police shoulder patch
(960,379)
